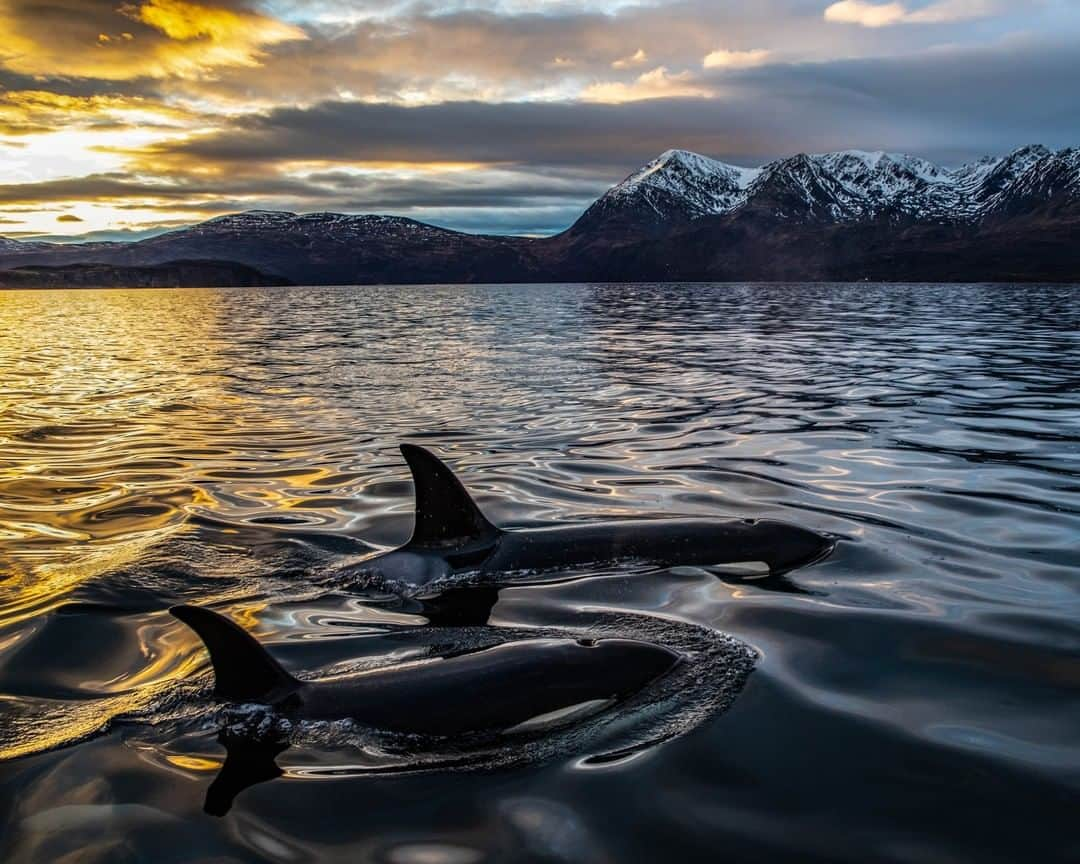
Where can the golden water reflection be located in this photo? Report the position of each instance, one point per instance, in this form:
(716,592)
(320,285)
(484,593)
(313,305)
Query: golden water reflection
(112,402)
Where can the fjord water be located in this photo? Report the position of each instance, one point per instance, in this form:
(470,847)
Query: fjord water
(916,696)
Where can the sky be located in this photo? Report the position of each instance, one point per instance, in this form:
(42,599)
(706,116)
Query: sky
(120,118)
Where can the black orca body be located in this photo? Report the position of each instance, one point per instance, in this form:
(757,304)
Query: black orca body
(495,690)
(451,535)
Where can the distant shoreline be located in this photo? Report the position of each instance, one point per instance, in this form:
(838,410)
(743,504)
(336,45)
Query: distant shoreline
(172,274)
(1019,283)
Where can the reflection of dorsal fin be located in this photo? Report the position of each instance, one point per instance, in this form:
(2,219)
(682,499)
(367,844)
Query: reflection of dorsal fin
(445,514)
(247,761)
(243,670)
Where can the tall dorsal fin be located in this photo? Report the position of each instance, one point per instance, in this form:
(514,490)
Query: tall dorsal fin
(243,670)
(445,514)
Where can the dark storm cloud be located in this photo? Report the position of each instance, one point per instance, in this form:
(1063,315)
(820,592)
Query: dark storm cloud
(118,187)
(952,104)
(453,190)
(569,134)
(78,87)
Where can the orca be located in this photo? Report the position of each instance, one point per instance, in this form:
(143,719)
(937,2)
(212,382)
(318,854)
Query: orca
(515,687)
(452,536)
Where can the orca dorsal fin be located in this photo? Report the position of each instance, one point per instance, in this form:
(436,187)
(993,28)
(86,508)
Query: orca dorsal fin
(243,670)
(445,513)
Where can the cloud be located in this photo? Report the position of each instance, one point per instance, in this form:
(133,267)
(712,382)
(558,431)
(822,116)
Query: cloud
(722,59)
(155,38)
(638,58)
(24,112)
(954,10)
(108,236)
(120,187)
(438,51)
(761,112)
(660,83)
(408,51)
(867,14)
(68,217)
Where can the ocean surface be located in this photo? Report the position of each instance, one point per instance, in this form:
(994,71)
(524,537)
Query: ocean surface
(915,697)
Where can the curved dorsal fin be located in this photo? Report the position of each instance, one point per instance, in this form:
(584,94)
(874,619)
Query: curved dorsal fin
(445,514)
(243,670)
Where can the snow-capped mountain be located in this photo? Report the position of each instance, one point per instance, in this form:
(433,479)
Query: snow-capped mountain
(1051,182)
(989,180)
(676,186)
(847,186)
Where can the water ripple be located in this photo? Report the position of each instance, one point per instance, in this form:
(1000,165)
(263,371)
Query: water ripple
(240,447)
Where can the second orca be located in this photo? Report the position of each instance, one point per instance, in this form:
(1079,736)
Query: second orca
(513,687)
(452,536)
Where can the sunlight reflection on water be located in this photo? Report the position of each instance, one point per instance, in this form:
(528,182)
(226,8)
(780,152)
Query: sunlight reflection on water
(195,446)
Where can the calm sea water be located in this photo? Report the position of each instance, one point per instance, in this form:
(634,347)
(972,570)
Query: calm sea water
(916,696)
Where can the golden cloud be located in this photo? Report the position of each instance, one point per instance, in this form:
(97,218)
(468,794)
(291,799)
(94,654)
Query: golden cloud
(41,111)
(660,83)
(723,59)
(183,22)
(638,58)
(170,39)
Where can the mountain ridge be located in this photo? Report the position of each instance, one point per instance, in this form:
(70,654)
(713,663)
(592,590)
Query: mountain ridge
(849,214)
(845,185)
